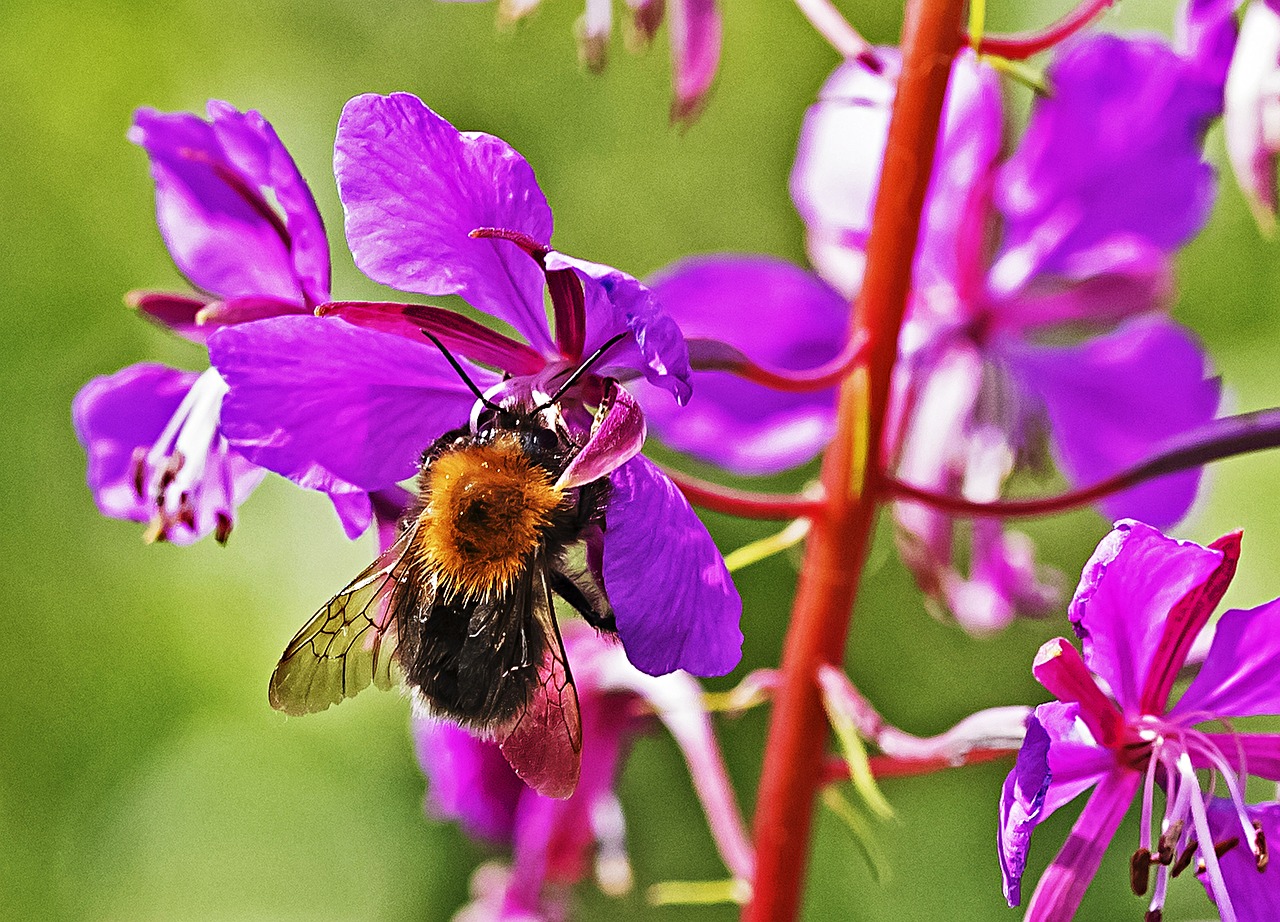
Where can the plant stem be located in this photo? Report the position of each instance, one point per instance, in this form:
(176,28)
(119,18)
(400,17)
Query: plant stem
(798,733)
(1022,45)
(743,503)
(1217,439)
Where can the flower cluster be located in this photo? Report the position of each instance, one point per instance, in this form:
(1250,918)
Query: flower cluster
(1038,313)
(345,397)
(1036,332)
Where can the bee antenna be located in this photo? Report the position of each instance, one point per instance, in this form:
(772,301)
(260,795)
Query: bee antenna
(461,373)
(582,370)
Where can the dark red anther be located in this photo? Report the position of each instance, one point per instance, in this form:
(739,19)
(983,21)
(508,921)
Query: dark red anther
(1167,848)
(1153,915)
(1260,849)
(221,527)
(169,474)
(1140,871)
(139,470)
(186,514)
(1221,848)
(1184,860)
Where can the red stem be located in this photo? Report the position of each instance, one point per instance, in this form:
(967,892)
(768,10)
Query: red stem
(836,552)
(713,355)
(835,769)
(1220,438)
(1021,45)
(743,503)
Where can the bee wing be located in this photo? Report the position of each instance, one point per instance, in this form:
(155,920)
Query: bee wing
(544,744)
(349,643)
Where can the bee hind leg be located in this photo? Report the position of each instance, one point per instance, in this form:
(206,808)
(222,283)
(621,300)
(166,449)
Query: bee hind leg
(565,587)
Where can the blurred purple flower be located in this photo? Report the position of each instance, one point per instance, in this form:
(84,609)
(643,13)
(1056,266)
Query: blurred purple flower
(1037,309)
(1142,600)
(435,211)
(1251,121)
(242,226)
(556,843)
(695,41)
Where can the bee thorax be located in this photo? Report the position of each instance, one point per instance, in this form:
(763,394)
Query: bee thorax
(485,509)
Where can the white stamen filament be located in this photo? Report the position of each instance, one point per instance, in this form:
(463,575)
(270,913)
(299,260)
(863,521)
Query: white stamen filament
(613,866)
(1205,836)
(178,458)
(1206,748)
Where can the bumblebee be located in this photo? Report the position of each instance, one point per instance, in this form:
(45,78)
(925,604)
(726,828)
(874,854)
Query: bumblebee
(462,603)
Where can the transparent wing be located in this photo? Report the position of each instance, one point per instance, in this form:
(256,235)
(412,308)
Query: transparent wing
(544,744)
(349,643)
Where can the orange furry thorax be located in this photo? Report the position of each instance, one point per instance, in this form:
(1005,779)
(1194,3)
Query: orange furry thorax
(484,511)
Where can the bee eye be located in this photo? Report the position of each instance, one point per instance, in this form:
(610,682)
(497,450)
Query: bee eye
(543,440)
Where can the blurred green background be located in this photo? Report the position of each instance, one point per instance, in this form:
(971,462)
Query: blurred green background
(142,773)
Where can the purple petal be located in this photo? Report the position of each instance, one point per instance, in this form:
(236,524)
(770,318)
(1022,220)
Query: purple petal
(1112,400)
(1063,884)
(1020,803)
(355,512)
(776,314)
(1256,754)
(1255,895)
(695,54)
(469,780)
(1122,279)
(1186,622)
(220,229)
(1132,582)
(617,303)
(1113,153)
(617,435)
(1205,32)
(675,604)
(156,452)
(1252,109)
(1076,761)
(118,414)
(1241,675)
(251,144)
(414,188)
(316,399)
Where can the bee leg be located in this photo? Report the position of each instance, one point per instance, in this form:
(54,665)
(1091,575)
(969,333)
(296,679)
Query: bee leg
(568,590)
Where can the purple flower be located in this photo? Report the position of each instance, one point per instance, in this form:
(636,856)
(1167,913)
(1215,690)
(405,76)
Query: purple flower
(556,843)
(694,36)
(242,226)
(436,211)
(1142,600)
(1038,305)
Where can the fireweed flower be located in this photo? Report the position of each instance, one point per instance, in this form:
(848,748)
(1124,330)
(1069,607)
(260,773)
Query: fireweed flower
(695,41)
(556,843)
(242,226)
(1037,309)
(361,392)
(1142,600)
